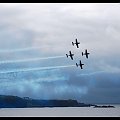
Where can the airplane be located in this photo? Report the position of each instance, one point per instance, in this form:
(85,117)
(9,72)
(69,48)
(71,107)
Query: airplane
(76,43)
(71,55)
(86,53)
(80,64)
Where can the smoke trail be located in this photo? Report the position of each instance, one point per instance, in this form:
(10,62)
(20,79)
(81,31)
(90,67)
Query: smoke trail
(30,59)
(35,69)
(20,49)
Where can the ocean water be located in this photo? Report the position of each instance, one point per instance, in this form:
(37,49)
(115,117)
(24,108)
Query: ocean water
(61,112)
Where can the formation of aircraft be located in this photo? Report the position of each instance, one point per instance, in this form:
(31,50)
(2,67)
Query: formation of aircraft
(71,55)
(76,42)
(86,53)
(80,64)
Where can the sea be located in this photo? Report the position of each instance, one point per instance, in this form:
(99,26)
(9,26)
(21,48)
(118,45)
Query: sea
(62,112)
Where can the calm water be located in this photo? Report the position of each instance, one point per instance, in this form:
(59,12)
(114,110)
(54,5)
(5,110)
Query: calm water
(62,111)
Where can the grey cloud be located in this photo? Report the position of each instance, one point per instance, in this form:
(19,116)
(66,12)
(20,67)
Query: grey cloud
(53,27)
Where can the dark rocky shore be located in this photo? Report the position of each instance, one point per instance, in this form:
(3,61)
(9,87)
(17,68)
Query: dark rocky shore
(26,102)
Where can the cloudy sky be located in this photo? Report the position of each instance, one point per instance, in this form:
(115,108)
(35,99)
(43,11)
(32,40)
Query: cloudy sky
(34,39)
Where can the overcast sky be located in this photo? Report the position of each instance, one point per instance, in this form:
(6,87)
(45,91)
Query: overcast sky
(44,32)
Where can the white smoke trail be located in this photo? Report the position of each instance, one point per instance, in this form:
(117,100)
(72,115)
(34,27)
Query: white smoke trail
(30,59)
(20,49)
(35,69)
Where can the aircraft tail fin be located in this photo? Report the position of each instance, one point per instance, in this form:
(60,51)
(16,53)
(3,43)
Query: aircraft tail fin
(82,53)
(67,55)
(72,43)
(76,64)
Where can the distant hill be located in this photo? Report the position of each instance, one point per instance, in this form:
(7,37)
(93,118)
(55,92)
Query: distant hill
(12,102)
(7,101)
